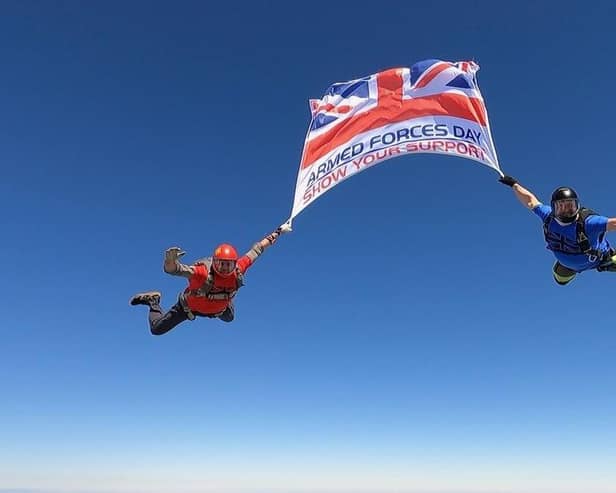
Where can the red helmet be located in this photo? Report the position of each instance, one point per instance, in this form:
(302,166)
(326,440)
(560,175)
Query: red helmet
(224,259)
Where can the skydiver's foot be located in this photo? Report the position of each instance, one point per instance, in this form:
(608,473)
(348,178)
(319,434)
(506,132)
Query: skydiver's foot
(149,298)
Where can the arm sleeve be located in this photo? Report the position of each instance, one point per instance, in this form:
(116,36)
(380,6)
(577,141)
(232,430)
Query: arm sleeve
(244,263)
(180,269)
(596,225)
(543,211)
(259,247)
(254,252)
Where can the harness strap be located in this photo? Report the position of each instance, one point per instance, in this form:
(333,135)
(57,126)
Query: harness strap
(583,243)
(190,314)
(184,305)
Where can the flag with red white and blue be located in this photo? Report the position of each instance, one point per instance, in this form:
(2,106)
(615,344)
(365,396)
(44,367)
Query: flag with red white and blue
(433,106)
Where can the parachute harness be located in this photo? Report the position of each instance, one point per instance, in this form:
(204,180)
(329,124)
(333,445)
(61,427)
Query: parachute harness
(206,287)
(583,243)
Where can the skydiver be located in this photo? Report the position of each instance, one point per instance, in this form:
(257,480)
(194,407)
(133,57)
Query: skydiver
(213,283)
(574,234)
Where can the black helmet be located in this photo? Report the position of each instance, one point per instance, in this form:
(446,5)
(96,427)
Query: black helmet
(565,204)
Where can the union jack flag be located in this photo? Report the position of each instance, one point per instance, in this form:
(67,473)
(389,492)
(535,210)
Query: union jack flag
(428,88)
(433,106)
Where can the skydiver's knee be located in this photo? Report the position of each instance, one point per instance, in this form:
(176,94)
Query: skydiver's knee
(160,329)
(227,316)
(155,331)
(562,275)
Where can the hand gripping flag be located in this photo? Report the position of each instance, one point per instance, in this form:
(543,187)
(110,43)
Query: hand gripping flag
(435,106)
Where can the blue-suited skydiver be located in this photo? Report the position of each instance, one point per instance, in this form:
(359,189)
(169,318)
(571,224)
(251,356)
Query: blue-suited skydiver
(574,234)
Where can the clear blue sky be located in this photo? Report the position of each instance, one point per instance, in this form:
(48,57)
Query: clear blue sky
(407,336)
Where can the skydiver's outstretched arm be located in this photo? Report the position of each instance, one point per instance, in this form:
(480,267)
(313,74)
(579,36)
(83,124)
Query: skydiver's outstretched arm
(259,247)
(526,197)
(173,266)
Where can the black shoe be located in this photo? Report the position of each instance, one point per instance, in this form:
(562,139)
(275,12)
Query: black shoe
(149,298)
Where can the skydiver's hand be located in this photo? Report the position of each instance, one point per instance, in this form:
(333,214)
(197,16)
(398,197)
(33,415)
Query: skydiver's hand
(284,228)
(274,235)
(508,180)
(172,265)
(173,254)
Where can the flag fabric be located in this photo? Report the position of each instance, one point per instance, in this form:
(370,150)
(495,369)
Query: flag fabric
(433,107)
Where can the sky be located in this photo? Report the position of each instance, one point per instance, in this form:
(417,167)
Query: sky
(406,337)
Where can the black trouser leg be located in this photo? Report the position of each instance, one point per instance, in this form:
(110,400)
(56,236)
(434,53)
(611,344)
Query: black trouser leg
(229,314)
(161,323)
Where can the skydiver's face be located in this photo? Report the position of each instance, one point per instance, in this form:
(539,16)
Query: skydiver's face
(566,208)
(224,267)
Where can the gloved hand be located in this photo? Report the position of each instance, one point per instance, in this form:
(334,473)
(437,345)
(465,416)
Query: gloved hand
(284,228)
(508,180)
(173,254)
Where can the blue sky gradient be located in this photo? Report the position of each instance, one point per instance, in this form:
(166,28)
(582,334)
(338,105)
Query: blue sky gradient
(407,336)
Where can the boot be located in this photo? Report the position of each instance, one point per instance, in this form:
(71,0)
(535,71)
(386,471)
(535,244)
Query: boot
(150,298)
